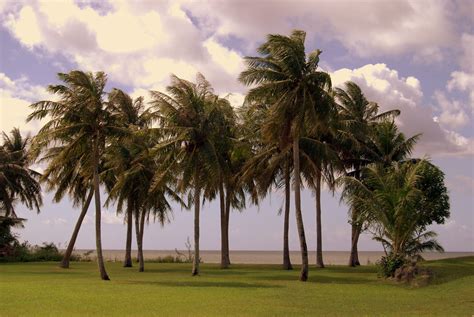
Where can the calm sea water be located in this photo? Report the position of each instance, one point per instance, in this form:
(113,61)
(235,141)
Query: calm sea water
(273,257)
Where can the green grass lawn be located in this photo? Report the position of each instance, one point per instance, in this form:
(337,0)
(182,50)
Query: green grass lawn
(169,289)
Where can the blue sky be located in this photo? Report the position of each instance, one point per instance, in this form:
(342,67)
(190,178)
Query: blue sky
(416,56)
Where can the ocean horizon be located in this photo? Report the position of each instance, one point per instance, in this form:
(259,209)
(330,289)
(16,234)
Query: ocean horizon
(267,256)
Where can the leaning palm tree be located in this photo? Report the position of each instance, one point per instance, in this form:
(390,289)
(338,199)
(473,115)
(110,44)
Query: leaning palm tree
(187,117)
(17,180)
(289,81)
(357,118)
(81,122)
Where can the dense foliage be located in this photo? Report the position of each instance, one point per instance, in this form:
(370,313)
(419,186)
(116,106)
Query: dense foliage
(189,145)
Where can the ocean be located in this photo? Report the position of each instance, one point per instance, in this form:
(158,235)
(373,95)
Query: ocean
(271,257)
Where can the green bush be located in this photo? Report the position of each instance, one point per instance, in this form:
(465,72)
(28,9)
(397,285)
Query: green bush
(166,259)
(25,252)
(389,264)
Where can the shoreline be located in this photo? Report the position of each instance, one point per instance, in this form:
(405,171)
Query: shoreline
(267,257)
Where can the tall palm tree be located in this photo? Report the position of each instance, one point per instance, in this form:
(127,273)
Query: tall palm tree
(17,180)
(357,117)
(187,115)
(82,122)
(320,162)
(134,117)
(290,83)
(134,166)
(267,167)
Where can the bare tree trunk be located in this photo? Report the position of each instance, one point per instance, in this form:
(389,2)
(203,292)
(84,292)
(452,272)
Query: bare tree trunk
(286,225)
(354,257)
(196,224)
(128,245)
(72,241)
(224,233)
(319,240)
(299,216)
(141,259)
(98,235)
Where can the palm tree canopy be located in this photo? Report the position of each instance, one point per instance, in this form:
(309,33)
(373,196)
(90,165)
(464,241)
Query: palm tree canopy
(288,80)
(17,180)
(388,198)
(78,119)
(189,117)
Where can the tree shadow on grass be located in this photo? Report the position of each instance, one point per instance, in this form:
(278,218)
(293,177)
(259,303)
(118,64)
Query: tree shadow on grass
(318,279)
(198,284)
(448,270)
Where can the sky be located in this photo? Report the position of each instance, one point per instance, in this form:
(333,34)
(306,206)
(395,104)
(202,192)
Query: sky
(415,56)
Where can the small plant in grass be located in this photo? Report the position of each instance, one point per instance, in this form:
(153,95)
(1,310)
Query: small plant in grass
(189,257)
(389,264)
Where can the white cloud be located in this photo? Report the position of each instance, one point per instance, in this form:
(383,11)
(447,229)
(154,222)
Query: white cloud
(111,218)
(229,60)
(26,26)
(366,28)
(154,38)
(452,113)
(15,98)
(384,86)
(55,221)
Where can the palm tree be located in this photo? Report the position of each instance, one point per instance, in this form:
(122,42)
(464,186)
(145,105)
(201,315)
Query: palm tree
(320,162)
(267,167)
(228,187)
(387,197)
(17,180)
(290,83)
(83,124)
(134,117)
(357,117)
(188,124)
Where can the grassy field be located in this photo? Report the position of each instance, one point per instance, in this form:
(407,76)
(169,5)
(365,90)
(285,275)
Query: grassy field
(168,289)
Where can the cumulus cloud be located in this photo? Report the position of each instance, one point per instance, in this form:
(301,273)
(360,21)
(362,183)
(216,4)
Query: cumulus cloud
(383,28)
(15,98)
(391,91)
(156,40)
(452,113)
(463,80)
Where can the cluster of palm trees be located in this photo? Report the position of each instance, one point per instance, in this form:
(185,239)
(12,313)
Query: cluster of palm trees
(189,145)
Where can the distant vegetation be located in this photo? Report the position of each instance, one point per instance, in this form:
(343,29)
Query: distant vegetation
(189,145)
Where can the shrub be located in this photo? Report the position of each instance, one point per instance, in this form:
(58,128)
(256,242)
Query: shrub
(25,252)
(389,264)
(167,259)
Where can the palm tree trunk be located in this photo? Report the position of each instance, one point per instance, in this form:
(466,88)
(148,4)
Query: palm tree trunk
(141,259)
(354,257)
(286,226)
(299,216)
(224,233)
(355,229)
(227,219)
(196,224)
(319,242)
(72,241)
(137,232)
(128,245)
(98,235)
